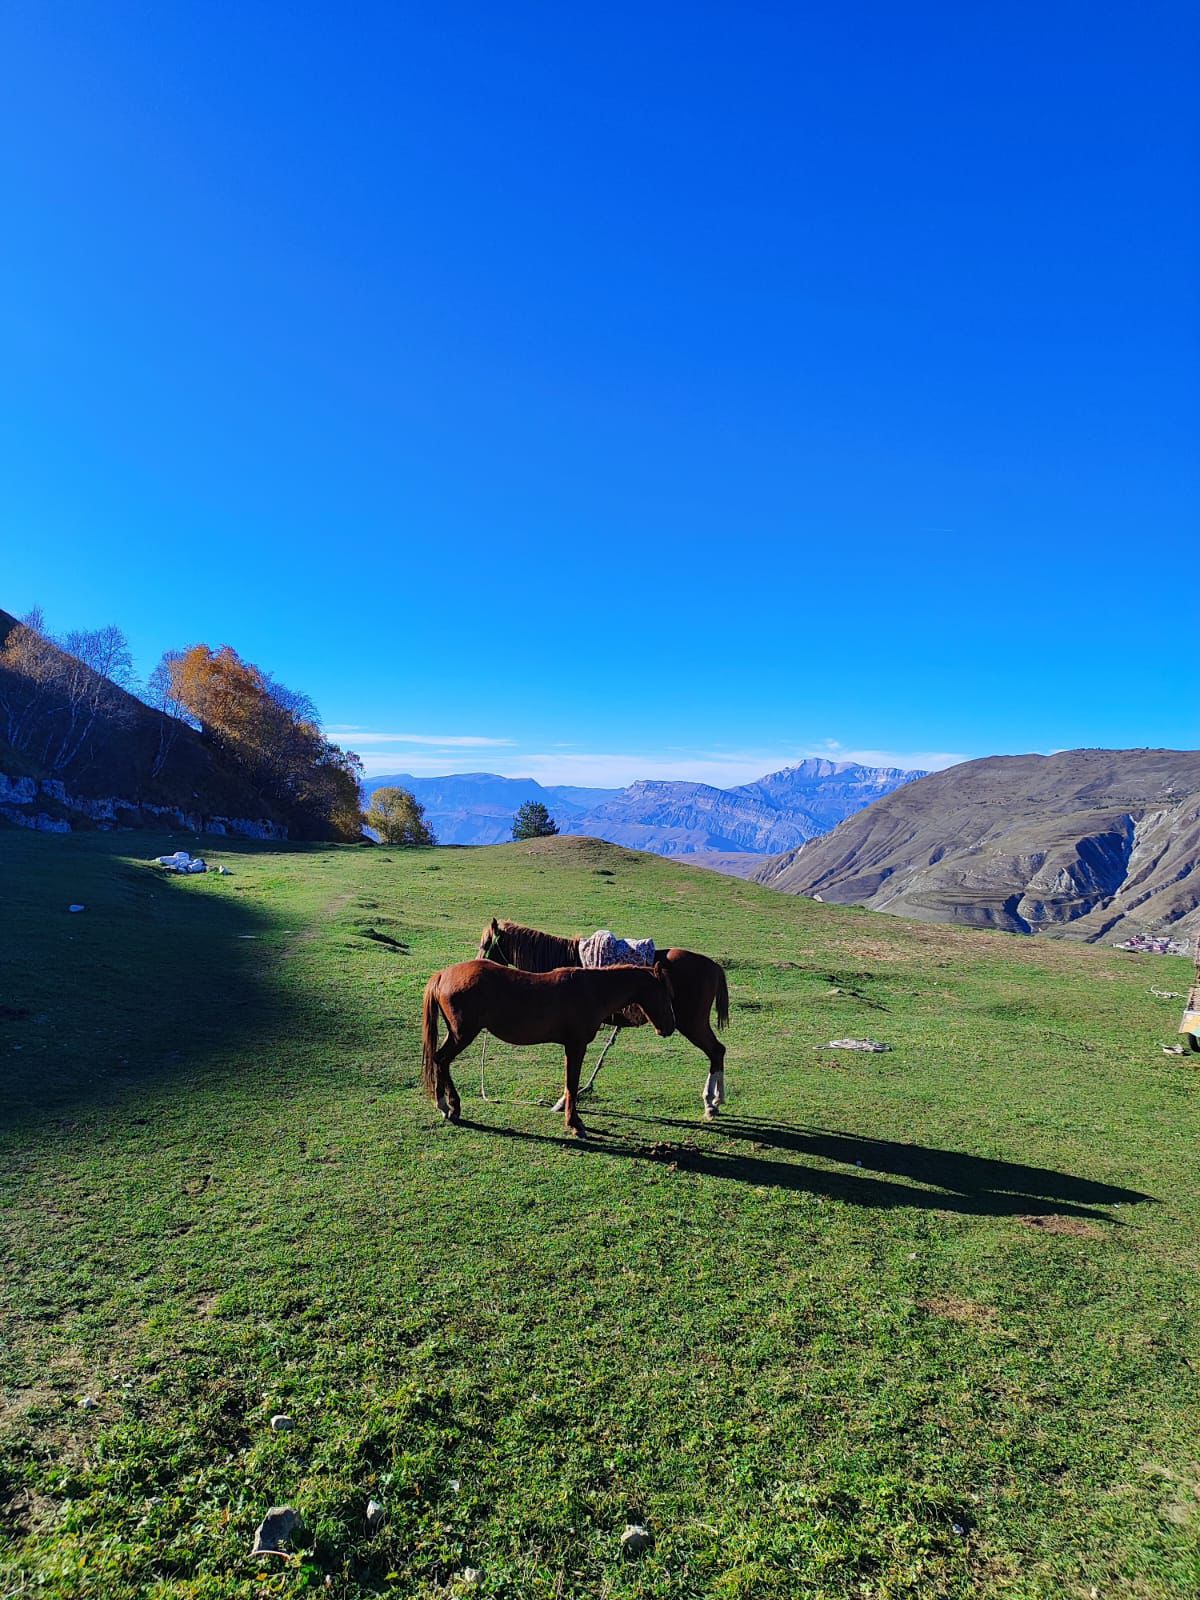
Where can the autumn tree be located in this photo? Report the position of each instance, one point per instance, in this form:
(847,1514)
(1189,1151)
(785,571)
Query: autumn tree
(324,782)
(533,821)
(160,696)
(28,671)
(53,692)
(273,734)
(227,697)
(399,818)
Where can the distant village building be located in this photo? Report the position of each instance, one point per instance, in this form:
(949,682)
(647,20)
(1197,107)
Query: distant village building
(1155,944)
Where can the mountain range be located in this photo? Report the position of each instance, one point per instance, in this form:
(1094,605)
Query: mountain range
(773,814)
(1078,842)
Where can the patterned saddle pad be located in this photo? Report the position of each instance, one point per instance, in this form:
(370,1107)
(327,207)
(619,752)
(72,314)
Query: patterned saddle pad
(604,949)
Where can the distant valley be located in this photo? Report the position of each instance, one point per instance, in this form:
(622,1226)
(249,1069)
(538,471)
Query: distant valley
(773,814)
(1082,843)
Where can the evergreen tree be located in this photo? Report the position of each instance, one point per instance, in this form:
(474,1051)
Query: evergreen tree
(533,821)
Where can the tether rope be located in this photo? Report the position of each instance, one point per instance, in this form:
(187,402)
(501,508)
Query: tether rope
(502,960)
(497,1101)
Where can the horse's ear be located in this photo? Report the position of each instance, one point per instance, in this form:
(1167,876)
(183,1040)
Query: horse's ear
(494,926)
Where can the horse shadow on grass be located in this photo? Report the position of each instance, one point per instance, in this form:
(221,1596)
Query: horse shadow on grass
(923,1177)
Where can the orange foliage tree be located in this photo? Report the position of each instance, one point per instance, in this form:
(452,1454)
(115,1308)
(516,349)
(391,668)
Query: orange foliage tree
(273,734)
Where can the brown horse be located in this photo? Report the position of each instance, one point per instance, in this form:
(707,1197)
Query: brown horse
(563,1007)
(697,983)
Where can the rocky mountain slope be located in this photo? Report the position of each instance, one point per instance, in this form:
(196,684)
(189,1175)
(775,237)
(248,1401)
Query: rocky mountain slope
(1080,843)
(777,812)
(827,791)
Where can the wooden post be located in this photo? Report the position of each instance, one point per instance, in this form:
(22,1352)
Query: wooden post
(1191,1014)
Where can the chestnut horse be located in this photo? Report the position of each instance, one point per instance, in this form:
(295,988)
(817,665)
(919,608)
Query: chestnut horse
(563,1007)
(697,983)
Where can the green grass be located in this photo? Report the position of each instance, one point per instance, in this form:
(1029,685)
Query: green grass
(917,1324)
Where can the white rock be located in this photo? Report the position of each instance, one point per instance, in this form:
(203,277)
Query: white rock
(275,1528)
(282,1423)
(471,1577)
(375,1515)
(634,1540)
(89,1403)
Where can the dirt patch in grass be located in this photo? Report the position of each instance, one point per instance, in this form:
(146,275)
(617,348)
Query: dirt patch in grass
(17,1403)
(1073,1227)
(328,913)
(909,948)
(957,1310)
(26,1511)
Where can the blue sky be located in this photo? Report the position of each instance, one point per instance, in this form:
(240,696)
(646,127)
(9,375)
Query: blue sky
(645,390)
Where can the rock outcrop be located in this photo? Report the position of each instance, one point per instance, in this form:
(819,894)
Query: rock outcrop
(22,801)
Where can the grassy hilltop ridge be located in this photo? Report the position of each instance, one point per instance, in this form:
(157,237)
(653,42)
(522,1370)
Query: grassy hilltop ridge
(915,1324)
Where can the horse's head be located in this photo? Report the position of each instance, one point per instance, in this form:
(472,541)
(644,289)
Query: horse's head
(491,946)
(657,1001)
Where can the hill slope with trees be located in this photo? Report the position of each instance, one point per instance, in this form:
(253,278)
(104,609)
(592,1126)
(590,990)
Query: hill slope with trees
(211,742)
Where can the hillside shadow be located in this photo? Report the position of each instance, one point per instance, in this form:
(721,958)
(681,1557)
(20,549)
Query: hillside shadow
(958,1182)
(160,978)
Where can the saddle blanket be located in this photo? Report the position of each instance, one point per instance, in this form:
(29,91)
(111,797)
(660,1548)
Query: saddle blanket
(604,949)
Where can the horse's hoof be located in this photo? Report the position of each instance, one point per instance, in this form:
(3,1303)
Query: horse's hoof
(710,1113)
(576,1130)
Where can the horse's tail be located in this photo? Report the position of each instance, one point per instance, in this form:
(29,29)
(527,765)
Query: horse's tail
(722,996)
(429,1016)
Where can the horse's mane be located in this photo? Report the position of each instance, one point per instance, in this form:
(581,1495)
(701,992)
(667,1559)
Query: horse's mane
(536,951)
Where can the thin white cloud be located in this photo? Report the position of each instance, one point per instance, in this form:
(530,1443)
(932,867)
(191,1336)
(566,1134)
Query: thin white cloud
(423,764)
(613,769)
(440,741)
(909,760)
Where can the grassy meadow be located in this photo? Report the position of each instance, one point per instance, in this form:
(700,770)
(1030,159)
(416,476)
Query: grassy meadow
(913,1324)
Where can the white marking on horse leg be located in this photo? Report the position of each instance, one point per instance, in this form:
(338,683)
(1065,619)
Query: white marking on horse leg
(711,1098)
(560,1104)
(719,1075)
(443,1104)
